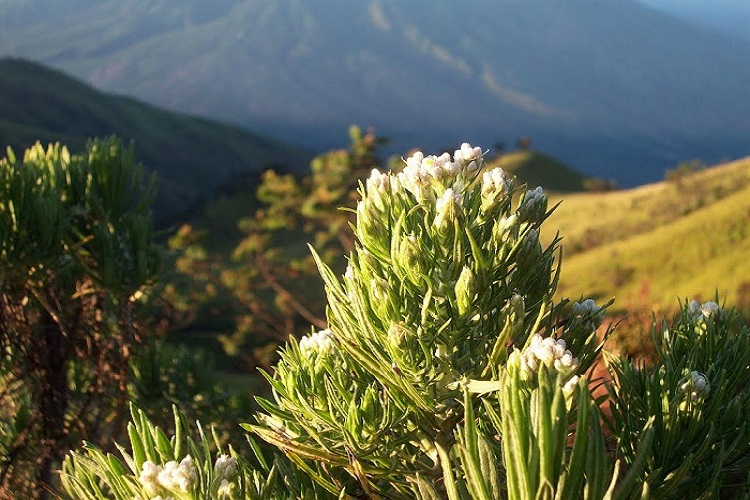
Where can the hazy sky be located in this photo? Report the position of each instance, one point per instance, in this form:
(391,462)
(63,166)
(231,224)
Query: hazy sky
(730,15)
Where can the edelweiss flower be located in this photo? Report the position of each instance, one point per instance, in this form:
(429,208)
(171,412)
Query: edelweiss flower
(588,314)
(467,153)
(149,476)
(225,467)
(317,342)
(550,352)
(422,171)
(697,386)
(378,181)
(172,476)
(705,310)
(178,476)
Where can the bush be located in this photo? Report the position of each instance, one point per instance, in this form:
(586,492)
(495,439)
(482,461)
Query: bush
(447,371)
(76,254)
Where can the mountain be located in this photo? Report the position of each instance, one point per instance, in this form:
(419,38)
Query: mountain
(613,87)
(731,16)
(192,156)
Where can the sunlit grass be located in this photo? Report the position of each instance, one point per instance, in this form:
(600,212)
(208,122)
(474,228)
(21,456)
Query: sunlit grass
(659,242)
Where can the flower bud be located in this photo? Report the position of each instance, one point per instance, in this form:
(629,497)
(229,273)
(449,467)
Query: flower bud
(465,290)
(696,386)
(533,206)
(378,190)
(494,188)
(446,208)
(380,296)
(318,342)
(225,467)
(467,154)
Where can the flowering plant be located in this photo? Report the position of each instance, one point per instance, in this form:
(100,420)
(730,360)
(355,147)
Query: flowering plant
(446,305)
(449,371)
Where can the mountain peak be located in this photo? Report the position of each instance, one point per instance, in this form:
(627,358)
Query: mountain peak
(614,88)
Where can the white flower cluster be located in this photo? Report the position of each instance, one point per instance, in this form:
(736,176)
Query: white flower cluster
(697,386)
(533,206)
(172,476)
(378,185)
(466,155)
(706,310)
(225,470)
(550,352)
(378,181)
(588,314)
(320,341)
(494,187)
(421,170)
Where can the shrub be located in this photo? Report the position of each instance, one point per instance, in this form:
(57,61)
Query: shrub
(76,253)
(447,371)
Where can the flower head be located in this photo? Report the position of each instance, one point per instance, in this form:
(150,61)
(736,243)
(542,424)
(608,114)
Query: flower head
(170,476)
(423,174)
(696,386)
(467,154)
(225,467)
(706,310)
(176,476)
(588,314)
(550,352)
(321,341)
(533,206)
(149,476)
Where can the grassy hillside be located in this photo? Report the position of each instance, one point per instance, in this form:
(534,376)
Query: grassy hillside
(192,156)
(650,246)
(538,169)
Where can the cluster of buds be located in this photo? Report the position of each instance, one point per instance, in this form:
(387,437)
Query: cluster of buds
(423,173)
(587,314)
(171,476)
(533,206)
(225,472)
(694,389)
(318,342)
(549,352)
(702,312)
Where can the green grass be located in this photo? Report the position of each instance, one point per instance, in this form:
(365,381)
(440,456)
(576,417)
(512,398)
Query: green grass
(537,169)
(657,244)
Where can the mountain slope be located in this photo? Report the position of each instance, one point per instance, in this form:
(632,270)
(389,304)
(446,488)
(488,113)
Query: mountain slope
(731,16)
(687,238)
(612,87)
(192,156)
(537,169)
